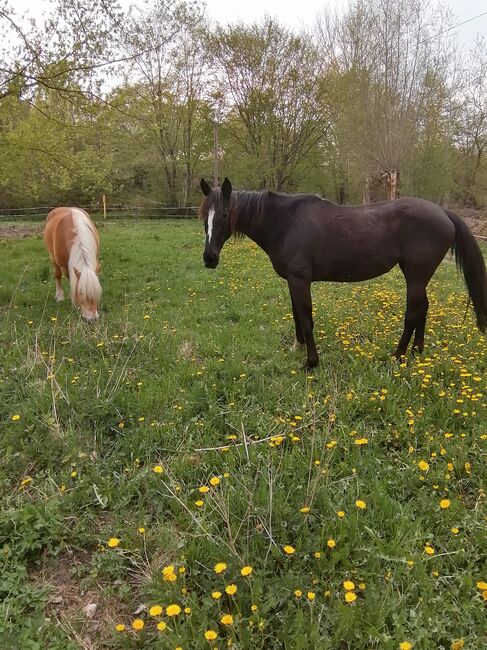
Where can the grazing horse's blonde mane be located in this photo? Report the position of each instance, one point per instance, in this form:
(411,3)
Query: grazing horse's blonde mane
(82,260)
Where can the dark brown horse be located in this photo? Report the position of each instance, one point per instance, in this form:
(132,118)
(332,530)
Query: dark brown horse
(308,238)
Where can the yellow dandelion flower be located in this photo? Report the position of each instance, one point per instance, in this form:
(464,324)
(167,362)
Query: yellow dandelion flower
(113,542)
(173,610)
(341,514)
(350,597)
(182,569)
(289,550)
(405,645)
(331,543)
(457,645)
(298,593)
(423,466)
(226,619)
(445,503)
(349,585)
(199,503)
(429,550)
(187,610)
(155,610)
(216,594)
(254,608)
(203,489)
(311,595)
(455,530)
(361,505)
(157,469)
(210,635)
(361,441)
(141,530)
(220,567)
(246,571)
(317,555)
(231,589)
(138,624)
(482,585)
(120,627)
(304,510)
(15,418)
(214,481)
(161,626)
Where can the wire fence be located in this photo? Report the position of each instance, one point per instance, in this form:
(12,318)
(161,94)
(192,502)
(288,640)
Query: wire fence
(112,212)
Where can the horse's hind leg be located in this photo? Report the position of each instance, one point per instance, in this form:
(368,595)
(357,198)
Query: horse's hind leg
(415,317)
(418,342)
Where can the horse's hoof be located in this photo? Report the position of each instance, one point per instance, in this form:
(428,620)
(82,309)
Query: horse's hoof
(59,297)
(309,365)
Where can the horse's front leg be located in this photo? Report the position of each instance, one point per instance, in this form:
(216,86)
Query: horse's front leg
(58,274)
(300,291)
(299,340)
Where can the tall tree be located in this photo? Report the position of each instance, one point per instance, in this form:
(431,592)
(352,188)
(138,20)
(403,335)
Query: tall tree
(395,58)
(168,73)
(471,132)
(60,52)
(269,77)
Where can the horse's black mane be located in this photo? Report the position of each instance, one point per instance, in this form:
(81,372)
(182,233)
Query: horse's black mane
(249,205)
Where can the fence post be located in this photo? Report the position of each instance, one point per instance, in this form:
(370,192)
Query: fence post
(104,198)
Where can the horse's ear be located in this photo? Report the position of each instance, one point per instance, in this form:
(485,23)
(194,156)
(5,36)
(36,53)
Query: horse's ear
(205,188)
(226,189)
(78,274)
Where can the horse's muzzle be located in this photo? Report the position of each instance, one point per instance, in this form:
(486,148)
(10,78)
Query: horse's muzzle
(210,260)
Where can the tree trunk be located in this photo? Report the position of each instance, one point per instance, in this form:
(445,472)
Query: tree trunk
(391,178)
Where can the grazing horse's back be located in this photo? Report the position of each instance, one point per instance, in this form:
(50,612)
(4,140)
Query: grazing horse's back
(59,235)
(73,244)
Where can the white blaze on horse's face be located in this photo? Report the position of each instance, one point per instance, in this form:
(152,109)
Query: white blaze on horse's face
(211,215)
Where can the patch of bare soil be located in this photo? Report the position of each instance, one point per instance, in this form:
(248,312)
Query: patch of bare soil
(19,230)
(476,219)
(86,616)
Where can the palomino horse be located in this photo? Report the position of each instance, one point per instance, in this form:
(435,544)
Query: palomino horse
(72,241)
(308,238)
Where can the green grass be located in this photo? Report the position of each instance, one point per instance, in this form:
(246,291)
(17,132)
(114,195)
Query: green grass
(190,370)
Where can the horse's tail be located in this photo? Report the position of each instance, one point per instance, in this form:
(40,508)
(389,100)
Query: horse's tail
(470,260)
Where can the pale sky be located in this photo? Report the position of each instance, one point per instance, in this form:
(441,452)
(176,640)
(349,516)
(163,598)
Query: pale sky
(295,13)
(299,13)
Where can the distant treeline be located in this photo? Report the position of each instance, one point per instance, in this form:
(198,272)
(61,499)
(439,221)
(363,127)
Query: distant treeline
(374,101)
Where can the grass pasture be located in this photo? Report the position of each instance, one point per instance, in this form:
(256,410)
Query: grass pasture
(181,432)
